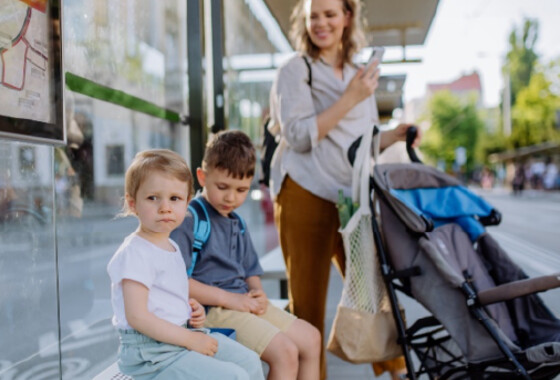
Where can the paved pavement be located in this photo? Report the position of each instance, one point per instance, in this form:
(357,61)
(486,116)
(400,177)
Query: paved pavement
(553,195)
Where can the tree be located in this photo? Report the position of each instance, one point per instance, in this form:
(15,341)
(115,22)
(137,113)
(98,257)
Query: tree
(521,58)
(454,123)
(534,112)
(490,143)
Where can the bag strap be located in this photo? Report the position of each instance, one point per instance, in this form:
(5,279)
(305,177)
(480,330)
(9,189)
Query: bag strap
(202,227)
(376,143)
(310,77)
(361,169)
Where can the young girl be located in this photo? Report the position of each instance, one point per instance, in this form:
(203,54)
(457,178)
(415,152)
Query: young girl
(149,286)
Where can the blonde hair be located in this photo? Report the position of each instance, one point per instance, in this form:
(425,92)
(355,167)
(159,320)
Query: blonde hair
(353,37)
(154,160)
(232,151)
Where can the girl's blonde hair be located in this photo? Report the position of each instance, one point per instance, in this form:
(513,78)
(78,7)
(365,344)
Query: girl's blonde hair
(353,37)
(155,160)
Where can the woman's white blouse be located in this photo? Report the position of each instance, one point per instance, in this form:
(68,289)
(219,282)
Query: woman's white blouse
(319,166)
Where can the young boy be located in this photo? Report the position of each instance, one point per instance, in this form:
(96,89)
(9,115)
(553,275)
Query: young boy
(150,288)
(226,272)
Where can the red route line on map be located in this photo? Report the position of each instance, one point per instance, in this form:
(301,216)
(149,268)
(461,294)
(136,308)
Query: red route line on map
(21,37)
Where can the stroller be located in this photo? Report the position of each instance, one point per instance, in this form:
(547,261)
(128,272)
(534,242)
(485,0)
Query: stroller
(486,320)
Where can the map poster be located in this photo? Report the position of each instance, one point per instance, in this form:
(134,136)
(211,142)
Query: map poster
(31,83)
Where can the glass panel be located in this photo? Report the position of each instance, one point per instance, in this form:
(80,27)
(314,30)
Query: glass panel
(254,45)
(89,190)
(139,48)
(136,46)
(28,300)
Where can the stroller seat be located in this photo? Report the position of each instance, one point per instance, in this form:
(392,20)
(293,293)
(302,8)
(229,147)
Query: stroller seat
(487,322)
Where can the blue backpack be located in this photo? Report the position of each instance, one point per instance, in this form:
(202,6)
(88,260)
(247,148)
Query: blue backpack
(202,228)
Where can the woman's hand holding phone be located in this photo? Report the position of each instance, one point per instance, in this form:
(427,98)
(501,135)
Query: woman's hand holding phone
(375,57)
(376,54)
(366,79)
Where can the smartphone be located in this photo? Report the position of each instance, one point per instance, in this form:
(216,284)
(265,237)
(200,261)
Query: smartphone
(376,54)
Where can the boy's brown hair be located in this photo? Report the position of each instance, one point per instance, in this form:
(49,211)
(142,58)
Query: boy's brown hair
(155,160)
(232,151)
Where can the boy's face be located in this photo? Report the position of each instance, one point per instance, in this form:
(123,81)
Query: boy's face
(160,204)
(222,191)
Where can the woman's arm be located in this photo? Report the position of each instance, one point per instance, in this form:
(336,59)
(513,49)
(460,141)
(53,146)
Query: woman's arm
(391,136)
(292,105)
(361,87)
(135,297)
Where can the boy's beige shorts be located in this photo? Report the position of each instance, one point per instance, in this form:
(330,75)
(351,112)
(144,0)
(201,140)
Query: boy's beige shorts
(252,331)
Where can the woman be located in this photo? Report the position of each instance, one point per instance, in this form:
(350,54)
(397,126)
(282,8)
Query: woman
(318,122)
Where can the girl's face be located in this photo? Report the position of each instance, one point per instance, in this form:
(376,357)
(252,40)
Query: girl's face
(160,205)
(325,21)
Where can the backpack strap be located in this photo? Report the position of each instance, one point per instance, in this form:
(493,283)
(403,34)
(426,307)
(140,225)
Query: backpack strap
(241,221)
(201,229)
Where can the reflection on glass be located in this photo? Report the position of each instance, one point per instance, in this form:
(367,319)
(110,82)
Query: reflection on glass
(136,46)
(28,301)
(88,235)
(253,41)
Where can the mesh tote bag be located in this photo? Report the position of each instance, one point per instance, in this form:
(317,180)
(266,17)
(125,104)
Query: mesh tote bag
(363,330)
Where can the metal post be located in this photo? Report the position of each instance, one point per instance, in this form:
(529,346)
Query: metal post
(196,110)
(215,37)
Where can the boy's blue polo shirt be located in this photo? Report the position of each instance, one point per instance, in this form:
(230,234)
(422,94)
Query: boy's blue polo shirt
(227,258)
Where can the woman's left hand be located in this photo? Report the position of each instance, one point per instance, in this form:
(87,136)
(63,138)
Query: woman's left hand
(399,134)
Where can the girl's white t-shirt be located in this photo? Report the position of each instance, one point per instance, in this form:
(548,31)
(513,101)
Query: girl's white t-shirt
(162,272)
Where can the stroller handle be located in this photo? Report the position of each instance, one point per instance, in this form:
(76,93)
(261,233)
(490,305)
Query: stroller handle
(411,134)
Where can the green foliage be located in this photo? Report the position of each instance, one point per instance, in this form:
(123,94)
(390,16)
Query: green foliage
(534,113)
(454,123)
(490,142)
(535,90)
(521,58)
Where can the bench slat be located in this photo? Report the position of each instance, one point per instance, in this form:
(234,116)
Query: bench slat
(273,265)
(112,373)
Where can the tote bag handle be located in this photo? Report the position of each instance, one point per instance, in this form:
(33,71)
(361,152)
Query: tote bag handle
(361,169)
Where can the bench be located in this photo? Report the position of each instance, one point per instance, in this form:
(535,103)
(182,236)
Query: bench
(112,373)
(274,268)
